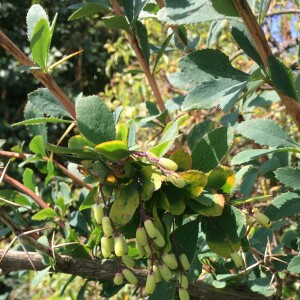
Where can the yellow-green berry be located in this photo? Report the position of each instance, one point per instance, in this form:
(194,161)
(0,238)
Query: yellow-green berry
(150,228)
(168,164)
(118,280)
(170,260)
(128,261)
(129,275)
(106,225)
(184,261)
(150,284)
(98,213)
(141,236)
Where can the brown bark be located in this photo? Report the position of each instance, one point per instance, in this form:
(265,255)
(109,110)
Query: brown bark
(97,269)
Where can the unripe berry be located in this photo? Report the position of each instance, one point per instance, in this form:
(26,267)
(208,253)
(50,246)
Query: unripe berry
(121,247)
(165,272)
(183,280)
(237,259)
(150,228)
(128,261)
(140,250)
(159,241)
(184,262)
(130,277)
(118,280)
(147,250)
(149,264)
(261,218)
(106,225)
(183,294)
(107,246)
(150,284)
(170,260)
(176,180)
(141,236)
(168,164)
(157,274)
(98,213)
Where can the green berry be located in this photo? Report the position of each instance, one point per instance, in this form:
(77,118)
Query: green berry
(237,259)
(170,260)
(176,180)
(165,272)
(140,250)
(159,241)
(150,228)
(150,284)
(106,225)
(130,277)
(141,236)
(183,281)
(157,274)
(183,294)
(107,246)
(168,164)
(98,213)
(261,218)
(147,250)
(121,247)
(184,262)
(118,280)
(128,261)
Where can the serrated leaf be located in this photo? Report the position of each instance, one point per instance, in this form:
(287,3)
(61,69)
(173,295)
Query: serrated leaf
(113,150)
(196,182)
(40,43)
(182,159)
(244,40)
(45,214)
(90,199)
(224,233)
(196,11)
(94,120)
(208,64)
(37,146)
(79,142)
(266,132)
(38,278)
(41,120)
(209,151)
(43,100)
(294,265)
(221,179)
(116,22)
(34,14)
(289,176)
(29,179)
(282,77)
(125,204)
(214,92)
(89,9)
(283,206)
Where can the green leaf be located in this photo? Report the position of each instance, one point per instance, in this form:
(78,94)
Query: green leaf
(186,238)
(224,233)
(40,43)
(142,37)
(244,40)
(198,131)
(164,290)
(196,182)
(161,51)
(89,9)
(29,179)
(44,214)
(262,286)
(282,77)
(94,120)
(50,171)
(214,92)
(215,31)
(116,22)
(289,176)
(79,142)
(221,179)
(209,151)
(35,13)
(150,182)
(125,204)
(294,265)
(266,132)
(207,64)
(90,199)
(182,159)
(40,275)
(175,201)
(113,150)
(196,11)
(37,146)
(283,206)
(43,100)
(41,120)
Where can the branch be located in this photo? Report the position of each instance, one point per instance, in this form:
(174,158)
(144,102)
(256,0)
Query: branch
(265,52)
(44,78)
(105,270)
(283,12)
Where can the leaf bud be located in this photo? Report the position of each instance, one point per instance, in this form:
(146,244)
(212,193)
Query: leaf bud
(170,260)
(183,294)
(184,261)
(128,261)
(261,218)
(168,164)
(118,280)
(106,225)
(121,247)
(141,236)
(150,228)
(165,272)
(237,259)
(150,283)
(98,213)
(129,275)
